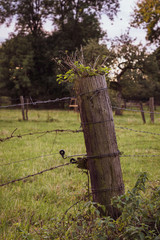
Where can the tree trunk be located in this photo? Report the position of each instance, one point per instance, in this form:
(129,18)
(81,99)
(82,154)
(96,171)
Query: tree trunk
(103,155)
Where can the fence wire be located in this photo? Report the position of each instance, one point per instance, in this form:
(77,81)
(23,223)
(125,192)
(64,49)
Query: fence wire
(37,102)
(35,174)
(139,131)
(40,132)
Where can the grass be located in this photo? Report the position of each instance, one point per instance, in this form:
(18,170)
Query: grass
(31,204)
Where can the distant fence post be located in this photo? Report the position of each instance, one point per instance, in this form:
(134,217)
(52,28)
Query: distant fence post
(142,112)
(151,107)
(103,159)
(27,102)
(22,106)
(118,111)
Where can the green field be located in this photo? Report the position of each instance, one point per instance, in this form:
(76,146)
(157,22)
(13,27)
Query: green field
(33,204)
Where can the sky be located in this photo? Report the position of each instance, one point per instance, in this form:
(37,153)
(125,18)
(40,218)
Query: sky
(116,28)
(121,22)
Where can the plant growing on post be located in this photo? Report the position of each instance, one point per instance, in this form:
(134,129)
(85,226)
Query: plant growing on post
(102,159)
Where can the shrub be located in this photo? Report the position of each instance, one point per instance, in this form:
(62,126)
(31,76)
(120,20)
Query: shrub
(140,218)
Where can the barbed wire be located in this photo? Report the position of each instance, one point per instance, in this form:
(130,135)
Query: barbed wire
(65,130)
(134,110)
(41,132)
(121,154)
(69,98)
(37,102)
(139,131)
(73,162)
(35,174)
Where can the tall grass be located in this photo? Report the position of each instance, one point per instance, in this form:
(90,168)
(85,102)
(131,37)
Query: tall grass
(34,203)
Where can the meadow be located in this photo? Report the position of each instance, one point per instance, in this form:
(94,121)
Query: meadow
(33,204)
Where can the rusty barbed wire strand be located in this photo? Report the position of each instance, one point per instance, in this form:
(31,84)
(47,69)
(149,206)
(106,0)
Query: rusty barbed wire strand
(139,131)
(37,102)
(41,132)
(66,164)
(69,131)
(69,98)
(134,110)
(35,174)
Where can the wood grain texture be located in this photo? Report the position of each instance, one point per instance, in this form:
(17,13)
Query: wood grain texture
(100,139)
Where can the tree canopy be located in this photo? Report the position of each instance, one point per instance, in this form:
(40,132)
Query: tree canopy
(136,73)
(30,15)
(27,65)
(147,15)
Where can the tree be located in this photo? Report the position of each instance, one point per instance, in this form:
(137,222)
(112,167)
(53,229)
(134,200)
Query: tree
(27,69)
(16,62)
(30,15)
(76,34)
(136,73)
(76,22)
(95,53)
(147,15)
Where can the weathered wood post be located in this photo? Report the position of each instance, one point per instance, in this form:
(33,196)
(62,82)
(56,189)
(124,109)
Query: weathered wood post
(151,107)
(142,112)
(22,106)
(27,101)
(103,159)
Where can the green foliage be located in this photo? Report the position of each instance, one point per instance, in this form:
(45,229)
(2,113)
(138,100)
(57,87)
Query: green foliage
(94,49)
(136,71)
(147,15)
(75,24)
(80,70)
(140,218)
(16,62)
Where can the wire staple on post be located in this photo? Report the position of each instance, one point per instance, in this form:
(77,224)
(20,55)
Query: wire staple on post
(105,155)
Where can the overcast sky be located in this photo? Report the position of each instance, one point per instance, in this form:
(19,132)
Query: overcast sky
(122,20)
(116,28)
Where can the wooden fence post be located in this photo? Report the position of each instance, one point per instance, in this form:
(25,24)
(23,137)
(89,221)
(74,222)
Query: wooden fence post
(27,101)
(103,155)
(142,112)
(151,107)
(22,106)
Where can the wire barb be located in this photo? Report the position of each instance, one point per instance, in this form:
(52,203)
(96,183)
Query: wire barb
(34,133)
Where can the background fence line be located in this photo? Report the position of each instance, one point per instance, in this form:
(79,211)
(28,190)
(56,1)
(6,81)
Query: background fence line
(37,102)
(67,131)
(67,99)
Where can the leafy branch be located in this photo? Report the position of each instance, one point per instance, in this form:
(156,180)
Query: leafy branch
(80,69)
